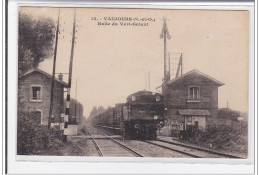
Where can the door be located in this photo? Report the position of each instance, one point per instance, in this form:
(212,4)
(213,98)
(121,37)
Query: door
(38,116)
(196,123)
(189,130)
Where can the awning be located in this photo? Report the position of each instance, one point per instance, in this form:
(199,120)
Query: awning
(193,112)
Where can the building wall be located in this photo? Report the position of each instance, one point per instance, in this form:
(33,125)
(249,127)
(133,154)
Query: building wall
(36,78)
(178,95)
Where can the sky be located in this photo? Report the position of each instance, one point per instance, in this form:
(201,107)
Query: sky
(112,62)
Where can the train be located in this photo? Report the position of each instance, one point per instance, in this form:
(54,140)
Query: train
(140,117)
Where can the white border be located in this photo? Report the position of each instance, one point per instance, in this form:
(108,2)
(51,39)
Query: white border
(134,165)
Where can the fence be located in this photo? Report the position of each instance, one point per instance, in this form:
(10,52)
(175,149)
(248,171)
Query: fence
(232,124)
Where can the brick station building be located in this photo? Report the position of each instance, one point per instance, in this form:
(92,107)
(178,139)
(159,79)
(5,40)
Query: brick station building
(35,92)
(191,100)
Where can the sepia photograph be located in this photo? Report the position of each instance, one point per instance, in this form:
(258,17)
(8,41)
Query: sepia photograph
(115,82)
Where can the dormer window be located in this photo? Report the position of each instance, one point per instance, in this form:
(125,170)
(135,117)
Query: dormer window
(194,93)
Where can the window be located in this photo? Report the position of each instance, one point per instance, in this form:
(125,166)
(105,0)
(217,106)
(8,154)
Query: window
(36,93)
(194,93)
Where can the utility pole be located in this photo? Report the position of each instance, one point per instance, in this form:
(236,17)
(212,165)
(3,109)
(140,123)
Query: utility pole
(76,102)
(180,66)
(69,81)
(53,70)
(169,60)
(165,34)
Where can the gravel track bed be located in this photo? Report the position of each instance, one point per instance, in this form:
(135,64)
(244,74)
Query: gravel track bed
(111,149)
(202,154)
(170,139)
(149,150)
(146,149)
(92,151)
(108,147)
(92,131)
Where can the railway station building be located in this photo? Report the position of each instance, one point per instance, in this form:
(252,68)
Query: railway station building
(191,101)
(36,90)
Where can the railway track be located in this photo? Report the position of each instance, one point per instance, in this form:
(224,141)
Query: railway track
(165,147)
(109,146)
(185,152)
(223,155)
(95,144)
(188,150)
(191,151)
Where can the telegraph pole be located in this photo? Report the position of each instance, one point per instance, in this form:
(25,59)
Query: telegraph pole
(53,71)
(180,66)
(169,59)
(76,102)
(66,122)
(165,35)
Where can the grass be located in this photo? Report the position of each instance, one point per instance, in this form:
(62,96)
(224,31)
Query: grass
(222,139)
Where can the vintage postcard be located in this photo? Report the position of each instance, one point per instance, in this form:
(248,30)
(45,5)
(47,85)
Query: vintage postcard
(106,82)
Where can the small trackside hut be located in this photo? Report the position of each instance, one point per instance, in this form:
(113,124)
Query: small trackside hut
(192,102)
(35,92)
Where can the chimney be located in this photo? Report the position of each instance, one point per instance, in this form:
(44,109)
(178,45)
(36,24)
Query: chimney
(60,77)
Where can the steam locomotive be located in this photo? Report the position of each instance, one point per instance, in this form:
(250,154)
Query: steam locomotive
(141,116)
